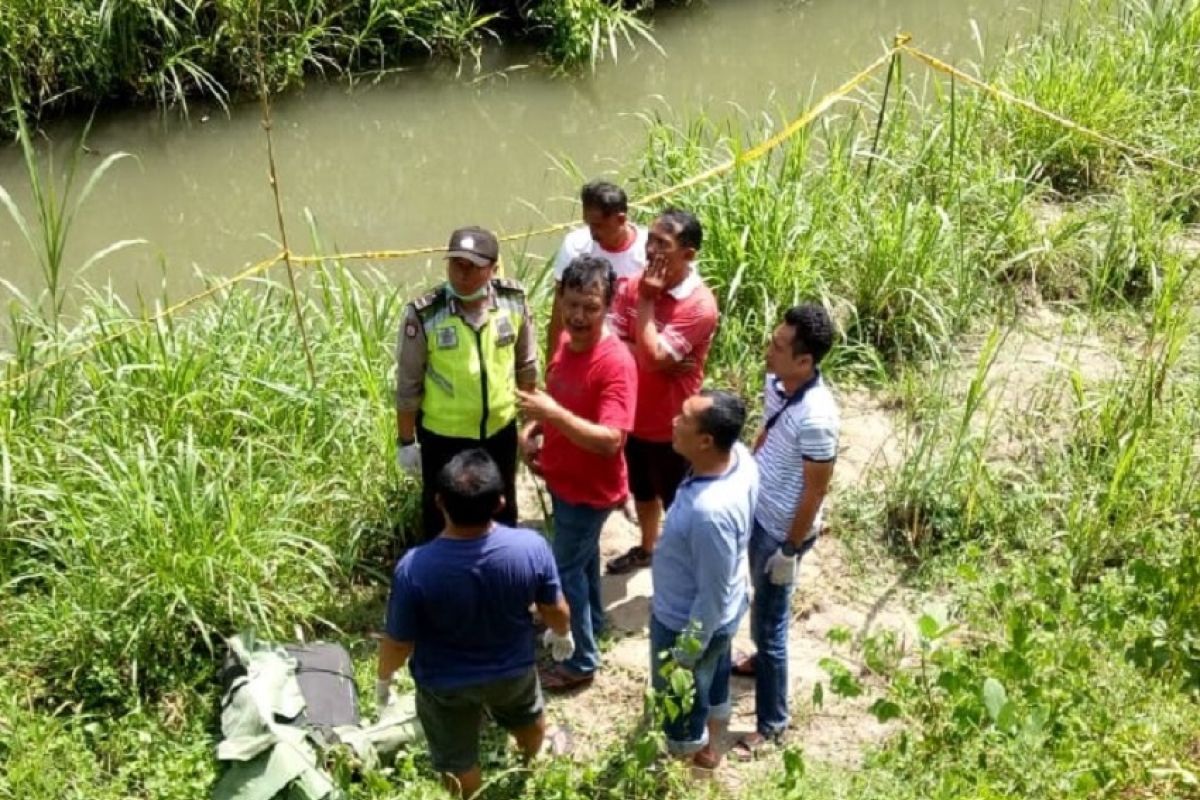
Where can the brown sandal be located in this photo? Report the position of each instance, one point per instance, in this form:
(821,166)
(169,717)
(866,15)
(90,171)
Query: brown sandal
(557,679)
(749,747)
(632,559)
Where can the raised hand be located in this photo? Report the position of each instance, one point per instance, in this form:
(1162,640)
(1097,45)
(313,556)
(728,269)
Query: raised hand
(654,278)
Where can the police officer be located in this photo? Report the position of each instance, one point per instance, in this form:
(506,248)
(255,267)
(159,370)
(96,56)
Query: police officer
(462,351)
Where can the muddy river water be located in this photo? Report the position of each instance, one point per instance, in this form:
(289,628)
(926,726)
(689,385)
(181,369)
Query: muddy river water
(402,161)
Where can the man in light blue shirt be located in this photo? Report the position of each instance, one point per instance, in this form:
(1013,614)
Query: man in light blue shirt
(699,584)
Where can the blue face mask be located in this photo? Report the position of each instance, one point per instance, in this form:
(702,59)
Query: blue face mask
(479,294)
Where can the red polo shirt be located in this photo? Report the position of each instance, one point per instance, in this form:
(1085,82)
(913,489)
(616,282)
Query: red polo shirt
(686,320)
(599,385)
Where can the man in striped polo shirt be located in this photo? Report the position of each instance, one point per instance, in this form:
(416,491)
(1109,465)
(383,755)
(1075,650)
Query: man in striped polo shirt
(795,451)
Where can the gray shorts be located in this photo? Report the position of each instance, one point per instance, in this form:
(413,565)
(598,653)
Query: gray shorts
(451,718)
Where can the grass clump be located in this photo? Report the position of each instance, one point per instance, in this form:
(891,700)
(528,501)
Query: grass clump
(187,479)
(1126,68)
(57,54)
(194,489)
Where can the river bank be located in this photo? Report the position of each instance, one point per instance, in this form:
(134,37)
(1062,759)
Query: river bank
(374,165)
(1035,516)
(64,54)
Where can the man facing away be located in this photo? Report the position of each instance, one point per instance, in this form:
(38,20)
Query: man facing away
(461,353)
(795,451)
(668,318)
(699,587)
(608,234)
(458,613)
(574,440)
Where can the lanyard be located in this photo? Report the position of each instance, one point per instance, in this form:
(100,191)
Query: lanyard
(793,399)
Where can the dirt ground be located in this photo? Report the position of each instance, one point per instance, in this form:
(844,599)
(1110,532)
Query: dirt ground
(827,597)
(1028,385)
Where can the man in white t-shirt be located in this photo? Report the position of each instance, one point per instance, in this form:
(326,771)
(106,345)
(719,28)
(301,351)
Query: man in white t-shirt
(608,235)
(795,452)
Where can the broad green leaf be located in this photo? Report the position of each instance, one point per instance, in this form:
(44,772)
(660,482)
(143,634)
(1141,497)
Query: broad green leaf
(885,710)
(681,682)
(994,698)
(1006,720)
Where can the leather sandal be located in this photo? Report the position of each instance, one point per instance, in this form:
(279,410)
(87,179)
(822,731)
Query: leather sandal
(633,558)
(749,747)
(558,679)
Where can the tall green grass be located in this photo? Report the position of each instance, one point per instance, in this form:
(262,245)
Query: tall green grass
(184,481)
(1134,77)
(195,487)
(57,54)
(1068,666)
(56,203)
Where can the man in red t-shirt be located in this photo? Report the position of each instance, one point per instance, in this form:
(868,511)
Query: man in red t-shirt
(575,440)
(667,316)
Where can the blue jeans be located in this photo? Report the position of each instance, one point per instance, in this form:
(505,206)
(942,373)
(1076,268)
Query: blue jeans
(770,612)
(577,554)
(688,732)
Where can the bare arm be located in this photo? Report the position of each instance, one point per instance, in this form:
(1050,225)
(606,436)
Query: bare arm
(557,616)
(590,436)
(406,425)
(531,447)
(648,347)
(817,475)
(393,655)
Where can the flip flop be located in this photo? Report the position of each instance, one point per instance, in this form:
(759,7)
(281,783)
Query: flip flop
(558,679)
(743,664)
(748,747)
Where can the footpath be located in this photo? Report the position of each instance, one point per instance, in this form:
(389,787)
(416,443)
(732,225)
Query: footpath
(841,602)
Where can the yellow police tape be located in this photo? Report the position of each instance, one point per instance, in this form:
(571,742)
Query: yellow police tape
(753,154)
(1009,97)
(249,272)
(901,45)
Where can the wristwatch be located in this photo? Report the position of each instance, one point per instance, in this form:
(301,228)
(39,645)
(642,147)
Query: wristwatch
(788,549)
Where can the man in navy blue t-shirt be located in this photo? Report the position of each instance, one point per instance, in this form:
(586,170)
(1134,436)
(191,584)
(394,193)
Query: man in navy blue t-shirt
(459,606)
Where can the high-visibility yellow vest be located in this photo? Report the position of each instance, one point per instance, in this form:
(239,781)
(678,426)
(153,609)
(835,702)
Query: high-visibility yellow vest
(470,375)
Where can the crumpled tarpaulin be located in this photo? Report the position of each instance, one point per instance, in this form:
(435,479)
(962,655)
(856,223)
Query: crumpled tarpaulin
(270,754)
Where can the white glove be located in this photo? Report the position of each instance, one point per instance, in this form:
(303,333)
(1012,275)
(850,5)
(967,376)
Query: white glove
(781,569)
(383,693)
(561,647)
(408,458)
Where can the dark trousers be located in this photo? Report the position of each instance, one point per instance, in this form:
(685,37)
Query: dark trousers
(436,452)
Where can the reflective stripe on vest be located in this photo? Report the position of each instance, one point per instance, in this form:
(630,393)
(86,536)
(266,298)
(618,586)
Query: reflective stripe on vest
(470,376)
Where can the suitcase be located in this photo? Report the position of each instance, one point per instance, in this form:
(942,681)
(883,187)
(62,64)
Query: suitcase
(326,677)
